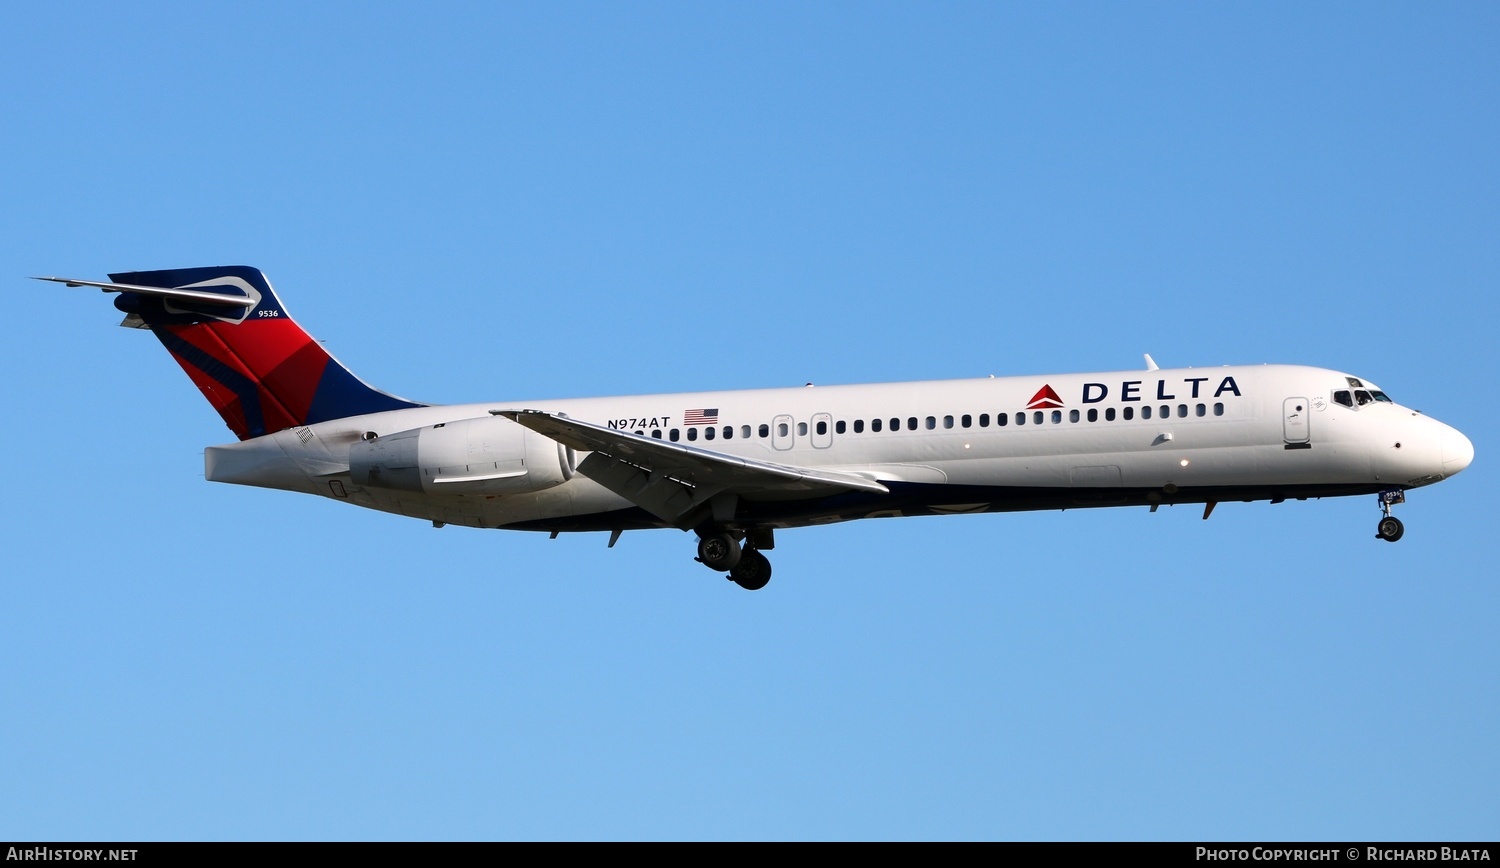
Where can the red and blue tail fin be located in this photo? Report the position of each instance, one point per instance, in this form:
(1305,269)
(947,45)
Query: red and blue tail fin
(229,332)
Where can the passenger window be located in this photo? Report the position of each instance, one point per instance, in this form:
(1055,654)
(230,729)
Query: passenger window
(1182,411)
(967,421)
(672,435)
(1109,414)
(656,433)
(838,427)
(931,423)
(1072,415)
(1145,412)
(895,425)
(948,422)
(1001,419)
(1201,410)
(801,429)
(1038,417)
(1020,418)
(708,433)
(911,423)
(692,433)
(781,429)
(728,432)
(1166,411)
(859,426)
(764,431)
(1093,414)
(1129,412)
(1056,417)
(745,431)
(822,427)
(1218,409)
(875,425)
(984,420)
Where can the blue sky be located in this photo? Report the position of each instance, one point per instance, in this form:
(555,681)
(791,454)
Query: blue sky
(510,201)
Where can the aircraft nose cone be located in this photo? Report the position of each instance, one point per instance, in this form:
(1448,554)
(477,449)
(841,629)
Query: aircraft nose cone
(1457,451)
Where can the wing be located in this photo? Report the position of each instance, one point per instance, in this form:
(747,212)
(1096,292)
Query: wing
(674,481)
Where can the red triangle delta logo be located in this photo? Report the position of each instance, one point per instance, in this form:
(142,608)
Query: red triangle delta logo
(1045,397)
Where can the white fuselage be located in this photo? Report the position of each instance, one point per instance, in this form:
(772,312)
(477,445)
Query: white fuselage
(1125,437)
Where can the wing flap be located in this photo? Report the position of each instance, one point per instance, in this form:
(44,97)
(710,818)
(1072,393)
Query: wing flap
(665,497)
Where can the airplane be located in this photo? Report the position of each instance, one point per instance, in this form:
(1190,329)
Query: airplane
(735,466)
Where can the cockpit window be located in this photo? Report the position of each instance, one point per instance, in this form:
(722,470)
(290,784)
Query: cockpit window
(1382,397)
(1342,396)
(1354,383)
(1363,397)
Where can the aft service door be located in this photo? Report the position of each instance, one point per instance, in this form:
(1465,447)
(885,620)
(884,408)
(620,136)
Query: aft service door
(1294,422)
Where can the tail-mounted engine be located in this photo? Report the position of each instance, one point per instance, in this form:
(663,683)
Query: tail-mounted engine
(487,456)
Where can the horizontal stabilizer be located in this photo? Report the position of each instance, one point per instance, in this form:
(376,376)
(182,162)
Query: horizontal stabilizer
(197,296)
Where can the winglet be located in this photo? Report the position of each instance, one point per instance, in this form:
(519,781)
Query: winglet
(1151,363)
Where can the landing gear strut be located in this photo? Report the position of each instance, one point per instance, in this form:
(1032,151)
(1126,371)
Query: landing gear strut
(720,551)
(1390,528)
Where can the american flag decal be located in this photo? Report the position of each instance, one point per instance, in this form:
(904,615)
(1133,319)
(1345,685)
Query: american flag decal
(701,417)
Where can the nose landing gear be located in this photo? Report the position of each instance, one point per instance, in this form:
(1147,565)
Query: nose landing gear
(1390,528)
(721,552)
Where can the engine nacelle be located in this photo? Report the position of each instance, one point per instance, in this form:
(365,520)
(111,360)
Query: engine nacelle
(486,456)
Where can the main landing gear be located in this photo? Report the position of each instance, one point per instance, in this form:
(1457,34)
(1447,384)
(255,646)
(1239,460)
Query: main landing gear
(1390,528)
(720,551)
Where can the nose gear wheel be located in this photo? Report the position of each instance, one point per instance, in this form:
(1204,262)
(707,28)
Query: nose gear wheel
(1390,528)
